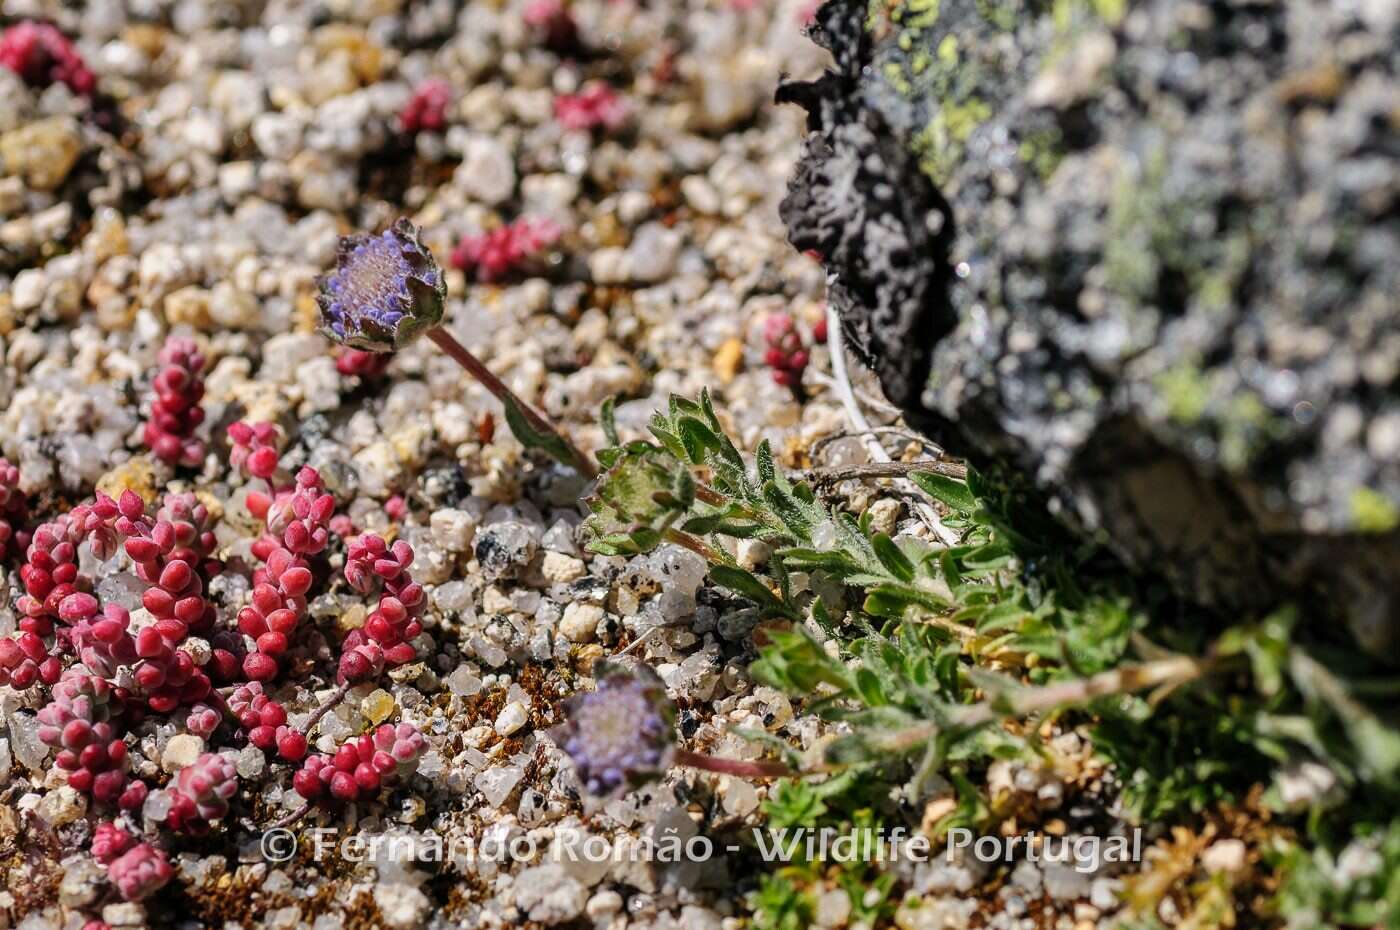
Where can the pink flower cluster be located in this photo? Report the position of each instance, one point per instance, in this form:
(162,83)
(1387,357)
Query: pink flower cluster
(498,252)
(137,869)
(254,449)
(553,23)
(358,363)
(25,660)
(101,637)
(426,110)
(103,672)
(201,792)
(597,105)
(386,638)
(168,553)
(175,411)
(50,573)
(42,55)
(298,527)
(265,722)
(785,355)
(78,723)
(362,765)
(14,511)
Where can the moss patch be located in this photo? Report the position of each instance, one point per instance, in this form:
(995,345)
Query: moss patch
(1186,392)
(1373,512)
(941,143)
(1042,150)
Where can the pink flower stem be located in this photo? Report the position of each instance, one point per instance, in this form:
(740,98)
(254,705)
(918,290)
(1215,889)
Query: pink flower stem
(335,698)
(738,767)
(459,354)
(290,817)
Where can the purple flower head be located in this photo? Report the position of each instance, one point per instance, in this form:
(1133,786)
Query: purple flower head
(621,734)
(385,290)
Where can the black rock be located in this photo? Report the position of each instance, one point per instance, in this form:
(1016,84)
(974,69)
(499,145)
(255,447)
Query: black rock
(1148,253)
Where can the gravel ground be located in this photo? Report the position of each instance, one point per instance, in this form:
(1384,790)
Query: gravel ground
(200,193)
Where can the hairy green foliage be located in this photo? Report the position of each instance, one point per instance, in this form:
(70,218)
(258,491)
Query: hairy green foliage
(1360,887)
(543,440)
(1014,619)
(779,904)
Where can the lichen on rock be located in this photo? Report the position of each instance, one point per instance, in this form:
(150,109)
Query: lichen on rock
(1143,251)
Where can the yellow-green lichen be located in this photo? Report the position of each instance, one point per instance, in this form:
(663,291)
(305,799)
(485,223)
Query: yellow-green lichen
(1147,231)
(1246,426)
(940,143)
(948,52)
(1217,285)
(894,76)
(1373,512)
(1070,14)
(999,14)
(1042,150)
(1186,392)
(878,17)
(919,14)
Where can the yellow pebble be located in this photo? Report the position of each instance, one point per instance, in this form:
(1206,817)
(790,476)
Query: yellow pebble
(352,619)
(136,474)
(728,359)
(306,313)
(377,706)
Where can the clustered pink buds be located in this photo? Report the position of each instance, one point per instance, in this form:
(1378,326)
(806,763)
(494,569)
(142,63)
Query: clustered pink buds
(386,638)
(370,562)
(254,449)
(265,722)
(596,105)
(298,523)
(25,660)
(168,553)
(273,613)
(362,765)
(553,22)
(125,669)
(200,793)
(175,412)
(50,573)
(302,518)
(42,55)
(137,869)
(203,720)
(494,254)
(785,355)
(361,364)
(14,510)
(102,639)
(426,110)
(140,872)
(193,526)
(109,841)
(77,722)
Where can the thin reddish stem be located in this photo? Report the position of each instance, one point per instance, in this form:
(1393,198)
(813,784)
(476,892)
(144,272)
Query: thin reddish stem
(291,817)
(695,544)
(335,698)
(740,768)
(474,367)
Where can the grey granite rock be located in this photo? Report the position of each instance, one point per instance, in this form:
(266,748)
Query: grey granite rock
(1144,250)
